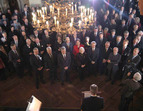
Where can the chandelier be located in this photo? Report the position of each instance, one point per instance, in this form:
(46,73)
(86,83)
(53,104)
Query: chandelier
(63,17)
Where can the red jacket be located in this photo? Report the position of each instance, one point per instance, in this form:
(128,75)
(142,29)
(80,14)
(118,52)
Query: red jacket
(76,49)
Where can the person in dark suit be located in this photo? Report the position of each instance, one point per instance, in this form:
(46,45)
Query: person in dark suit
(81,58)
(50,63)
(124,52)
(127,37)
(118,43)
(27,52)
(37,66)
(26,13)
(36,34)
(122,28)
(2,70)
(134,58)
(15,58)
(128,90)
(94,35)
(113,61)
(93,55)
(94,102)
(5,42)
(28,27)
(83,35)
(112,37)
(103,55)
(40,46)
(68,45)
(64,61)
(46,38)
(101,41)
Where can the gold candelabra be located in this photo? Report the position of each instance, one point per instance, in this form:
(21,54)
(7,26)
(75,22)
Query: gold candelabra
(63,17)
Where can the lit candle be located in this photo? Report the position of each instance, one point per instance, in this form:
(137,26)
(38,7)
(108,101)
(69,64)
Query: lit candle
(85,20)
(58,12)
(85,11)
(72,10)
(80,24)
(38,12)
(38,23)
(92,16)
(43,10)
(47,24)
(55,20)
(71,24)
(81,16)
(88,11)
(46,10)
(75,8)
(89,18)
(72,20)
(43,18)
(66,12)
(58,24)
(50,8)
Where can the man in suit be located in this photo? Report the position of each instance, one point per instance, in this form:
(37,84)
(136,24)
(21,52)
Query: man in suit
(40,46)
(117,43)
(83,35)
(15,58)
(94,102)
(27,52)
(37,66)
(64,61)
(122,28)
(104,54)
(68,45)
(113,61)
(50,63)
(128,90)
(101,41)
(93,55)
(37,35)
(94,35)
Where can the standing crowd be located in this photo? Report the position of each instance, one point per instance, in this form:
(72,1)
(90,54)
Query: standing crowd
(113,47)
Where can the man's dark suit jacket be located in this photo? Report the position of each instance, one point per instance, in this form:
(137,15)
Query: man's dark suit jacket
(50,62)
(93,55)
(64,62)
(35,62)
(13,57)
(92,104)
(68,49)
(135,61)
(93,37)
(104,54)
(26,51)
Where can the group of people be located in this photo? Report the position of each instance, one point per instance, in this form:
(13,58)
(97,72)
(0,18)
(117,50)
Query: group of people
(113,47)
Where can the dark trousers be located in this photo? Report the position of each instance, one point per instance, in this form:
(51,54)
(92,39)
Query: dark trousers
(19,69)
(38,77)
(112,70)
(63,73)
(93,69)
(124,103)
(2,74)
(53,74)
(81,73)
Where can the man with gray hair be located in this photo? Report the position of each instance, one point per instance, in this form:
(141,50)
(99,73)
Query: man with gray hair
(50,63)
(128,90)
(94,102)
(64,61)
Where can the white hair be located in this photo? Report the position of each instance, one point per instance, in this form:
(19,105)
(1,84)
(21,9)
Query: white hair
(48,48)
(137,76)
(93,42)
(81,48)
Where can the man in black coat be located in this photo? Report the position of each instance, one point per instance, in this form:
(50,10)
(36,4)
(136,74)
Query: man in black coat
(50,63)
(94,36)
(64,61)
(128,90)
(37,65)
(104,54)
(113,61)
(15,58)
(93,55)
(94,102)
(27,52)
